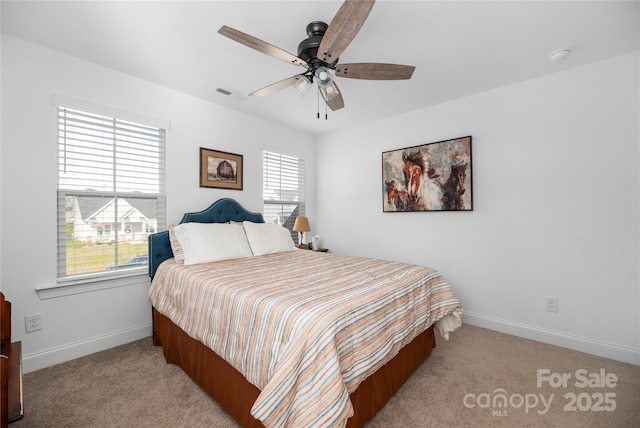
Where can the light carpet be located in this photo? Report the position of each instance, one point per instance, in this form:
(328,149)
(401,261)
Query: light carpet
(479,378)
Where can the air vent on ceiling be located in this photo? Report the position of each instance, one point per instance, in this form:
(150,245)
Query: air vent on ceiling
(232,94)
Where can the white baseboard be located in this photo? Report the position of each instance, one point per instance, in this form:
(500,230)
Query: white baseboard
(577,343)
(50,357)
(71,351)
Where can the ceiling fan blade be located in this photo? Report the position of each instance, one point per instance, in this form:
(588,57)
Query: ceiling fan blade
(274,87)
(332,96)
(343,28)
(260,46)
(375,71)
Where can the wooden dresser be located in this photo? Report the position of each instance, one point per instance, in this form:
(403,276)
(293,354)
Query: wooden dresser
(11,408)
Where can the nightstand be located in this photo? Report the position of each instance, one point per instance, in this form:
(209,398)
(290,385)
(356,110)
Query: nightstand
(306,247)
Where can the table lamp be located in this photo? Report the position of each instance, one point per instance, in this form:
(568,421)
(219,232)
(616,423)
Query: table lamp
(301,226)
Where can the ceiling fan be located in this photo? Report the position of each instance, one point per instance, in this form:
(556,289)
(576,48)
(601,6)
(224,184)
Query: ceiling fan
(318,55)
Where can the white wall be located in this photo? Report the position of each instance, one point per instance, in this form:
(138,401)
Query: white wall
(556,205)
(83,323)
(555,180)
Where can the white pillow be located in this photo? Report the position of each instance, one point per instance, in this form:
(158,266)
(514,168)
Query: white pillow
(208,242)
(266,238)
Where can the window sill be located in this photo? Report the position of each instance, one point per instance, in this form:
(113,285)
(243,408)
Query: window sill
(85,285)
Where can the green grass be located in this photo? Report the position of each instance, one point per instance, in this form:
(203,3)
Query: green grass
(83,258)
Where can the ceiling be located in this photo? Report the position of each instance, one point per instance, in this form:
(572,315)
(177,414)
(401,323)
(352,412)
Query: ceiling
(458,48)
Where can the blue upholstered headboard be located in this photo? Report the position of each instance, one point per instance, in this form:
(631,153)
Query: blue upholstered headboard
(221,211)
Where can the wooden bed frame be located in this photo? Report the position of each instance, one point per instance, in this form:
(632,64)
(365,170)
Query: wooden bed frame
(224,383)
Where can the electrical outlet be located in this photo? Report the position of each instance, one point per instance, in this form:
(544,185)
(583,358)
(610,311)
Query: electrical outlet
(551,304)
(32,322)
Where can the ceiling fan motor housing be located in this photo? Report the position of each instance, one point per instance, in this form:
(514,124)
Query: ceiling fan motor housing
(308,48)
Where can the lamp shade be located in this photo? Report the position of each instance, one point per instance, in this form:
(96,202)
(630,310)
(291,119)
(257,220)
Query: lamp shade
(301,225)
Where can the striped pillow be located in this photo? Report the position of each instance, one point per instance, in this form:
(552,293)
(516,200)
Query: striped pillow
(178,252)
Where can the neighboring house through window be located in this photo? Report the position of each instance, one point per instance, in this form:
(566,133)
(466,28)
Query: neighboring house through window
(111,190)
(283,188)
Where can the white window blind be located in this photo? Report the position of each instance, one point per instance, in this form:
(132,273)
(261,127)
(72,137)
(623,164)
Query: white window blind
(111,192)
(283,189)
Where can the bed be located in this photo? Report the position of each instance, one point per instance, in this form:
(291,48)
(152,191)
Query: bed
(290,337)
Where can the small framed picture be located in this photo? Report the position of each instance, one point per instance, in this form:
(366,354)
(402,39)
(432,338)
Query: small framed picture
(220,169)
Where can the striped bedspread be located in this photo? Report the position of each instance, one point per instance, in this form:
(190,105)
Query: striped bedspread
(306,328)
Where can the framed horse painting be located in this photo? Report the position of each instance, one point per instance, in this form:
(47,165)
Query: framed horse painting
(430,177)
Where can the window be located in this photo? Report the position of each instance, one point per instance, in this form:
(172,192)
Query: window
(111,192)
(283,189)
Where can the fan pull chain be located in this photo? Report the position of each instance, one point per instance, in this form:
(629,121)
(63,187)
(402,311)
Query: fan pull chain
(326,116)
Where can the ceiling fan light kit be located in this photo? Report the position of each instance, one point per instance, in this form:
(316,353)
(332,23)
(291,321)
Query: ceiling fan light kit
(324,77)
(303,85)
(329,93)
(319,54)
